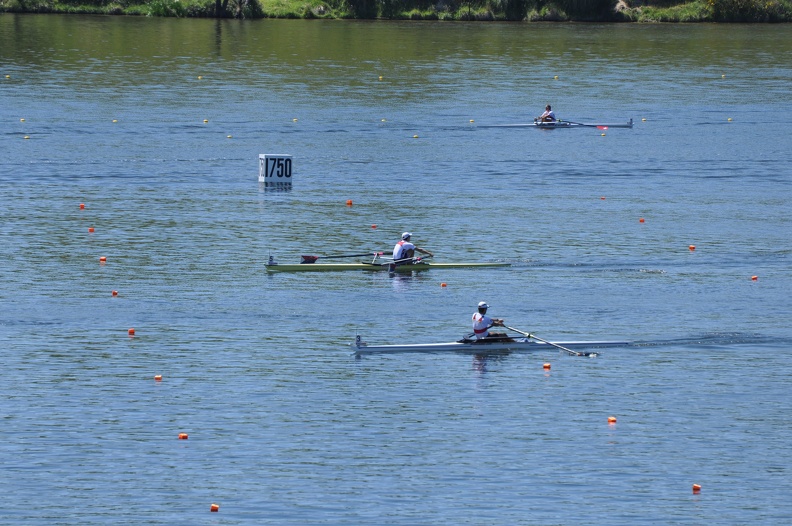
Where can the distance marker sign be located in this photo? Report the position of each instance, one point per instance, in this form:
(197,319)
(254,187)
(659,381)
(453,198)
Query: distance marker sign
(275,170)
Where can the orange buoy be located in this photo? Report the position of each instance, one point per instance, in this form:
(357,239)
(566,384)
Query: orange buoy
(349,202)
(443,284)
(696,488)
(602,198)
(131,332)
(82,206)
(102,259)
(157,377)
(611,419)
(182,436)
(641,220)
(115,293)
(373,226)
(754,278)
(90,229)
(692,247)
(214,507)
(546,366)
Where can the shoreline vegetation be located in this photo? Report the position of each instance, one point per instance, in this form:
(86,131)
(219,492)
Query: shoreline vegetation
(642,11)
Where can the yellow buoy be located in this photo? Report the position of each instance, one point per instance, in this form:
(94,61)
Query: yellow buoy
(729,119)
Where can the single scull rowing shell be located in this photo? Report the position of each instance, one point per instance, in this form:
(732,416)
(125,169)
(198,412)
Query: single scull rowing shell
(322,267)
(562,124)
(485,346)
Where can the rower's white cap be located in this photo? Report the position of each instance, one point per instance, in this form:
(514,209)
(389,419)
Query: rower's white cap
(483,305)
(407,235)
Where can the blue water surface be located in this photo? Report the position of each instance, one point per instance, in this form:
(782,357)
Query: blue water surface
(284,426)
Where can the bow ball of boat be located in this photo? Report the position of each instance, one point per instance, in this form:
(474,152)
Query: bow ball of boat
(410,267)
(483,346)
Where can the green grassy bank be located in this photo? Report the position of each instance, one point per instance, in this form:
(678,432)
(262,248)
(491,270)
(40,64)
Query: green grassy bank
(648,11)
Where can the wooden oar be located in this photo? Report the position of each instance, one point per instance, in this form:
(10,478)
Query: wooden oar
(570,351)
(312,259)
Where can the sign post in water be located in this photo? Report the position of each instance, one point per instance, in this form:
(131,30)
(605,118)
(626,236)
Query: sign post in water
(275,170)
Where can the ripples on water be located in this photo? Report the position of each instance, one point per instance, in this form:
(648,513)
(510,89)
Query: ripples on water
(285,427)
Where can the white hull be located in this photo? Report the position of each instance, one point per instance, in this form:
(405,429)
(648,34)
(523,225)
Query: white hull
(479,347)
(374,267)
(563,124)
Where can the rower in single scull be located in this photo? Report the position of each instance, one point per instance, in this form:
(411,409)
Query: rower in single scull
(404,251)
(547,116)
(483,323)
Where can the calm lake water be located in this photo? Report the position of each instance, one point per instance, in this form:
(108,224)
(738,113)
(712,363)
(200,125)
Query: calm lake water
(285,427)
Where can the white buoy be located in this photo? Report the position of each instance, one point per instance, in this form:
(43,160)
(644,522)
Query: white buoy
(275,169)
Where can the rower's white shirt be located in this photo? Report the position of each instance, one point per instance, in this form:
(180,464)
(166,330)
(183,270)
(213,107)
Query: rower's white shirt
(401,248)
(548,113)
(481,322)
